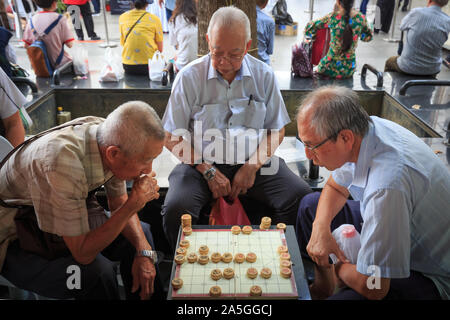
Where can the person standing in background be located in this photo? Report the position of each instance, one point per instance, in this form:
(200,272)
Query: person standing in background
(383,15)
(170,6)
(265,26)
(86,13)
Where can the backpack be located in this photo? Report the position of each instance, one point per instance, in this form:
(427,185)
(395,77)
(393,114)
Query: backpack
(301,60)
(37,52)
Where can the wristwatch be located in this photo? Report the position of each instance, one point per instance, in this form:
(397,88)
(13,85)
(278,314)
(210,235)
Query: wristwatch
(209,174)
(149,254)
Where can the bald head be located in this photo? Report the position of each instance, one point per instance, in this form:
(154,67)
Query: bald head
(330,109)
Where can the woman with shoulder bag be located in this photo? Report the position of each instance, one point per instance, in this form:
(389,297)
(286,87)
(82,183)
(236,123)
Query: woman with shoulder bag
(141,36)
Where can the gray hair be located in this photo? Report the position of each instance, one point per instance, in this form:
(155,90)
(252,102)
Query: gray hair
(130,126)
(230,17)
(332,109)
(441,3)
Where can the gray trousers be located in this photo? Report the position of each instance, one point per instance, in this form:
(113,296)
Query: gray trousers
(189,193)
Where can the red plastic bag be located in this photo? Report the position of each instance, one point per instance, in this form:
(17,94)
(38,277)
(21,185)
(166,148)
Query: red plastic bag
(320,46)
(226,212)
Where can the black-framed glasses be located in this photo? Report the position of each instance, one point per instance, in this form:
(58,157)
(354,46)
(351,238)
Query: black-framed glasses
(317,145)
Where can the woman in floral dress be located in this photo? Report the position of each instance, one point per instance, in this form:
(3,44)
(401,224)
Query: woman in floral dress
(346,27)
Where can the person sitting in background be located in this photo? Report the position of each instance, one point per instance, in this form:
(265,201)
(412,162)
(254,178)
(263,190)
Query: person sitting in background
(426,32)
(346,26)
(85,9)
(265,27)
(11,101)
(140,36)
(59,36)
(183,33)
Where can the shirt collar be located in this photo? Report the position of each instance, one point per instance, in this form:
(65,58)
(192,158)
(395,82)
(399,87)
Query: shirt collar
(244,71)
(366,150)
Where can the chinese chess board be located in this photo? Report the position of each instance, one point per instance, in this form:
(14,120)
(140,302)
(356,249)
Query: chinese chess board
(197,279)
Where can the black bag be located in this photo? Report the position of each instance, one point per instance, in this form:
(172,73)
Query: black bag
(280,13)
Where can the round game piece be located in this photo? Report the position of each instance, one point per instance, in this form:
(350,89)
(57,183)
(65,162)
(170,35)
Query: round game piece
(281,226)
(285,256)
(266,273)
(187,231)
(216,257)
(266,221)
(203,250)
(235,230)
(180,259)
(186,220)
(285,263)
(177,283)
(184,243)
(216,274)
(227,257)
(252,273)
(247,230)
(239,258)
(255,291)
(182,251)
(286,272)
(215,291)
(192,257)
(262,227)
(251,257)
(228,273)
(282,249)
(203,259)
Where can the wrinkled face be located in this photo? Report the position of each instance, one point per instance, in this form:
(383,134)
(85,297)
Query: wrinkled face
(228,48)
(131,167)
(328,153)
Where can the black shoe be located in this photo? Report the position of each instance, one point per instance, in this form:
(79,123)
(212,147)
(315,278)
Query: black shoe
(171,74)
(404,9)
(376,31)
(95,38)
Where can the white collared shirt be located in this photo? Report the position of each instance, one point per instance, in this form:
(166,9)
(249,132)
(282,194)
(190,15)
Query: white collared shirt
(234,113)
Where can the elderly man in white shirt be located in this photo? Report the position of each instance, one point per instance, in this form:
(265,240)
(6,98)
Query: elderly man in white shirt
(230,104)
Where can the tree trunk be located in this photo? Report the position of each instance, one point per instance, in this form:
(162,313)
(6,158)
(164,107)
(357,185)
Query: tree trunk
(205,10)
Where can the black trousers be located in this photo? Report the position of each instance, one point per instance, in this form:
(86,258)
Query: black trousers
(98,280)
(86,13)
(189,193)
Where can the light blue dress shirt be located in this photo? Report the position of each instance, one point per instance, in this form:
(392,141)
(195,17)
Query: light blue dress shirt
(404,194)
(170,4)
(235,113)
(265,27)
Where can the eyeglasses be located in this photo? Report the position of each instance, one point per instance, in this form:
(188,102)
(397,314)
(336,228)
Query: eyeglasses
(231,58)
(313,148)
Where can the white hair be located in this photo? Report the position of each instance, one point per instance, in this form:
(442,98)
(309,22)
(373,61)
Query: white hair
(130,126)
(230,17)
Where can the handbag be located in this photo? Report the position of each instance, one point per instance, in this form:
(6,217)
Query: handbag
(320,46)
(31,237)
(228,212)
(301,65)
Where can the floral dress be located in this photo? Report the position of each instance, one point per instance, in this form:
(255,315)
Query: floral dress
(336,64)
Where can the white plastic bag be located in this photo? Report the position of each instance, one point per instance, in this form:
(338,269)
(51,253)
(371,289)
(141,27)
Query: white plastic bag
(156,66)
(112,71)
(80,61)
(348,239)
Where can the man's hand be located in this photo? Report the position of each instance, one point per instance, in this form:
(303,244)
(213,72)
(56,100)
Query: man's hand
(145,189)
(243,180)
(143,272)
(321,244)
(220,185)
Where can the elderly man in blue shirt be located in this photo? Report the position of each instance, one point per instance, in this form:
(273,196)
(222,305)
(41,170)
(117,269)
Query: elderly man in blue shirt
(265,27)
(224,119)
(426,30)
(401,201)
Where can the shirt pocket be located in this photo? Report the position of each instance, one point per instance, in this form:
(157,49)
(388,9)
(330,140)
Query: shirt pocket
(247,113)
(211,116)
